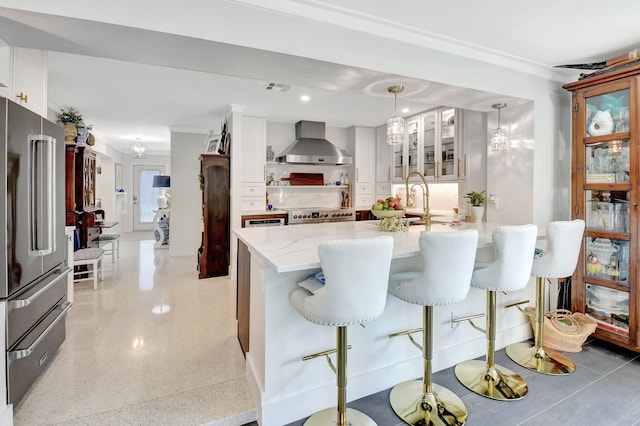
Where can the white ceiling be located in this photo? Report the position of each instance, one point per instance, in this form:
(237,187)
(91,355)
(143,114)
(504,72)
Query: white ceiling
(137,83)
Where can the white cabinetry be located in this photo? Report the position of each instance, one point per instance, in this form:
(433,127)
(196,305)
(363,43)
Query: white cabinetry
(431,146)
(384,153)
(254,154)
(29,78)
(6,71)
(361,143)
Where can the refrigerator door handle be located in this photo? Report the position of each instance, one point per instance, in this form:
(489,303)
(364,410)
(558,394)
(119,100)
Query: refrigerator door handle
(42,190)
(21,303)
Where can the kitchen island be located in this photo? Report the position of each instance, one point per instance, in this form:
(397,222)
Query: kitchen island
(274,260)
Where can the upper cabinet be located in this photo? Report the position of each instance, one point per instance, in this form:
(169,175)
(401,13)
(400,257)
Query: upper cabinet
(254,149)
(361,144)
(431,147)
(23,77)
(605,194)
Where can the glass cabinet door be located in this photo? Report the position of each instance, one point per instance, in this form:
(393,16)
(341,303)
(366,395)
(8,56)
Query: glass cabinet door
(448,139)
(607,267)
(429,137)
(413,145)
(397,168)
(606,114)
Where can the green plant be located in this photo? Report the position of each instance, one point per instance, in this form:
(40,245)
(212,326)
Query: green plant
(475,198)
(201,181)
(69,116)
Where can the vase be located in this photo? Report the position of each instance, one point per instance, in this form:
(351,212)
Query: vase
(70,133)
(477,212)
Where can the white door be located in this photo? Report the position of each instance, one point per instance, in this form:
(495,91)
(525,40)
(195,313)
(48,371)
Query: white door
(145,197)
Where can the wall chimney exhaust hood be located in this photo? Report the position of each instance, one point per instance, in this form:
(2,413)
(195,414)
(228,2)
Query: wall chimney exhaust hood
(311,147)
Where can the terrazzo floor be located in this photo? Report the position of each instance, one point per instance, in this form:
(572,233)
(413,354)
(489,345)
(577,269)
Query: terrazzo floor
(153,346)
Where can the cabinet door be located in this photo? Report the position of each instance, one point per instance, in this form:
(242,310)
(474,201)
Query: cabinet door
(413,146)
(214,260)
(383,156)
(364,151)
(30,79)
(605,181)
(6,75)
(398,166)
(254,154)
(448,166)
(430,135)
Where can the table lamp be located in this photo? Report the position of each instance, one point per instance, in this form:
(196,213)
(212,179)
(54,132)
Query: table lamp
(162,182)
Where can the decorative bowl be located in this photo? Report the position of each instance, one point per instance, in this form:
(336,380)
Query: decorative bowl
(384,214)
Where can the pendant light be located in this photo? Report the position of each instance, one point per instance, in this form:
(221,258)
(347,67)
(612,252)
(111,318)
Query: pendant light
(499,137)
(395,125)
(138,151)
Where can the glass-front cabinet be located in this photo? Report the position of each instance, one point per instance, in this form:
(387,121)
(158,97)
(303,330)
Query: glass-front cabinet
(430,146)
(605,195)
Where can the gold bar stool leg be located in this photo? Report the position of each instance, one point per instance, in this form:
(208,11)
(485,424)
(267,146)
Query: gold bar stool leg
(485,377)
(536,357)
(340,416)
(424,402)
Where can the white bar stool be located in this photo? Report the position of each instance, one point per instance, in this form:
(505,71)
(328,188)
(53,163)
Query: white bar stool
(112,241)
(510,271)
(356,279)
(448,260)
(91,257)
(558,261)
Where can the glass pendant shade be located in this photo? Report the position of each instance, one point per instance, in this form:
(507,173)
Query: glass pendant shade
(499,140)
(395,125)
(499,136)
(138,151)
(395,130)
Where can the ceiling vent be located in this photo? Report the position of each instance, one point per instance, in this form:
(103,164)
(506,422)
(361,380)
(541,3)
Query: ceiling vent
(276,87)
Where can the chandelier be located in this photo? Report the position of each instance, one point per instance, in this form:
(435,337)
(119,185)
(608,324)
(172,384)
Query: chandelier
(138,151)
(499,137)
(395,125)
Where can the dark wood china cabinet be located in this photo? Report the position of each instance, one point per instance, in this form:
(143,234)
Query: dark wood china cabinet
(80,193)
(605,181)
(213,256)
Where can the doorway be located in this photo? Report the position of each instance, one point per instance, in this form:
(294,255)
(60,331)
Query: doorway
(145,196)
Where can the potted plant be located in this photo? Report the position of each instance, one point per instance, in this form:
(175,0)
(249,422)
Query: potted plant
(74,127)
(476,199)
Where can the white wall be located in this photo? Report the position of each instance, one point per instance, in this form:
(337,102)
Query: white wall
(186,198)
(510,173)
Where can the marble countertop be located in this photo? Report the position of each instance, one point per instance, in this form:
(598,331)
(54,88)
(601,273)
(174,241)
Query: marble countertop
(295,247)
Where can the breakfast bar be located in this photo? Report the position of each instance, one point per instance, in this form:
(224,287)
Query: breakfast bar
(273,260)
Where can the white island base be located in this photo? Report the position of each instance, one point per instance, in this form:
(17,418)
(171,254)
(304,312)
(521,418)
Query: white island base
(287,389)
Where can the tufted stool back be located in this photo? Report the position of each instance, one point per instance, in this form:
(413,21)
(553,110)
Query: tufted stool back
(447,260)
(356,276)
(511,268)
(561,256)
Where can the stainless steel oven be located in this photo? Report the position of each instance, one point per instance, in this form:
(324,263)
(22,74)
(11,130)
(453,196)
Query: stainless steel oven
(320,215)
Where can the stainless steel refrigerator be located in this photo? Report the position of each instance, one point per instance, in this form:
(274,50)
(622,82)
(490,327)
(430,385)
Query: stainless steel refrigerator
(33,268)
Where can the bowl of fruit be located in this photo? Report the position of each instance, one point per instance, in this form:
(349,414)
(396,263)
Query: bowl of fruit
(388,208)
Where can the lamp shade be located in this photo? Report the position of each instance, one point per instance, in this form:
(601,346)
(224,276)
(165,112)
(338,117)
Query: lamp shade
(161,181)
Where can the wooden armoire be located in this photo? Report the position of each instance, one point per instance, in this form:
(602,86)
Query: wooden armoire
(214,253)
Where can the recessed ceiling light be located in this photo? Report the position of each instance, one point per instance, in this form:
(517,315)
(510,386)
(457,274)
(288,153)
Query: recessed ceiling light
(305,98)
(405,110)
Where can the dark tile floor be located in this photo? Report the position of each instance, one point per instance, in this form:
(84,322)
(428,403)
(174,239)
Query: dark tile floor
(604,390)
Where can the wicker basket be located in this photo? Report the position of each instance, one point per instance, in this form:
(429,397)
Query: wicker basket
(563,330)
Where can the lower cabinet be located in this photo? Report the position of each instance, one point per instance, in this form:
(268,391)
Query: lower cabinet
(213,256)
(243,295)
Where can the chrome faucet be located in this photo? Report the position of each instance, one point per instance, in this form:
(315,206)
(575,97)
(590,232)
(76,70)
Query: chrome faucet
(426,217)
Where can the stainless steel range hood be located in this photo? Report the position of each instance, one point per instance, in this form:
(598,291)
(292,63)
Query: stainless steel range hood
(311,147)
